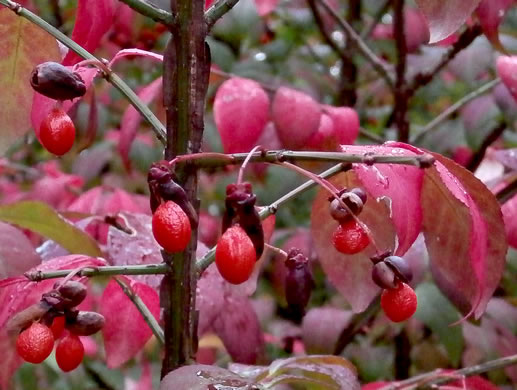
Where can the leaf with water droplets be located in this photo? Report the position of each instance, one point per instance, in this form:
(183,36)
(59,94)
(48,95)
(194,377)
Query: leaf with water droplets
(203,377)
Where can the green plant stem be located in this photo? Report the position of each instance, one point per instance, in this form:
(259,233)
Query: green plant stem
(208,258)
(147,9)
(214,160)
(112,78)
(217,11)
(144,310)
(147,269)
(433,378)
(354,38)
(455,107)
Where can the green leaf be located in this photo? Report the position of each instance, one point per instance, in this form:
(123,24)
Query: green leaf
(24,46)
(436,312)
(43,219)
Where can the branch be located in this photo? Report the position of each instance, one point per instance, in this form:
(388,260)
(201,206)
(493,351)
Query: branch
(208,258)
(368,29)
(354,38)
(217,11)
(214,160)
(433,378)
(112,78)
(147,269)
(401,93)
(455,107)
(144,310)
(464,40)
(476,159)
(149,10)
(507,193)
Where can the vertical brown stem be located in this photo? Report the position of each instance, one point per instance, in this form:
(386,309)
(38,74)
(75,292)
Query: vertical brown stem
(186,70)
(401,91)
(347,83)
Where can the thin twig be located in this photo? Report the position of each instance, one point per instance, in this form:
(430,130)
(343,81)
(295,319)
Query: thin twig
(149,10)
(368,29)
(508,192)
(144,310)
(493,136)
(400,91)
(380,66)
(455,107)
(217,11)
(112,78)
(141,269)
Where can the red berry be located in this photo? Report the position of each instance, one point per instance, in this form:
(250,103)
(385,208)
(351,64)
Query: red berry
(57,327)
(235,255)
(171,227)
(35,343)
(69,352)
(399,303)
(350,238)
(57,132)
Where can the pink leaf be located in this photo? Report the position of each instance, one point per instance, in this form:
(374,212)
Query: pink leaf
(416,30)
(93,19)
(17,254)
(230,315)
(135,52)
(296,116)
(350,274)
(202,377)
(445,17)
(464,235)
(321,328)
(265,7)
(41,105)
(126,332)
(490,14)
(241,111)
(323,138)
(509,210)
(402,184)
(346,123)
(131,119)
(136,246)
(507,68)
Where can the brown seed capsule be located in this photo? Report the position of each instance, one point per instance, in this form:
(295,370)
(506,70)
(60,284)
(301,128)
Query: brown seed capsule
(56,81)
(400,267)
(298,281)
(85,323)
(26,317)
(74,292)
(383,275)
(354,199)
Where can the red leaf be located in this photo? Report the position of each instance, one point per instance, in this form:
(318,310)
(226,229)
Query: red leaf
(445,17)
(401,183)
(265,7)
(324,138)
(241,111)
(490,14)
(509,210)
(350,274)
(506,68)
(201,377)
(93,19)
(41,105)
(321,328)
(296,116)
(17,254)
(346,123)
(126,332)
(102,200)
(464,235)
(229,314)
(131,119)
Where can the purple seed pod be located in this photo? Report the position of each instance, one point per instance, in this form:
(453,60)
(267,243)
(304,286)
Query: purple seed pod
(354,199)
(383,276)
(401,268)
(56,81)
(85,323)
(298,281)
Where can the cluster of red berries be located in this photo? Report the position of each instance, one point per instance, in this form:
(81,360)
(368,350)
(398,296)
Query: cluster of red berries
(56,320)
(349,237)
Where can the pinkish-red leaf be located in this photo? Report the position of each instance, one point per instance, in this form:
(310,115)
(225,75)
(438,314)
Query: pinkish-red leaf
(135,246)
(202,377)
(346,123)
(490,14)
(464,235)
(507,68)
(323,138)
(509,210)
(135,52)
(296,116)
(41,105)
(445,17)
(351,274)
(24,45)
(229,314)
(241,111)
(265,7)
(102,200)
(321,328)
(402,184)
(131,119)
(93,19)
(17,254)
(126,332)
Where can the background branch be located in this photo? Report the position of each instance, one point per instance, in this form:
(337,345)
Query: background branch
(217,11)
(147,9)
(493,136)
(400,91)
